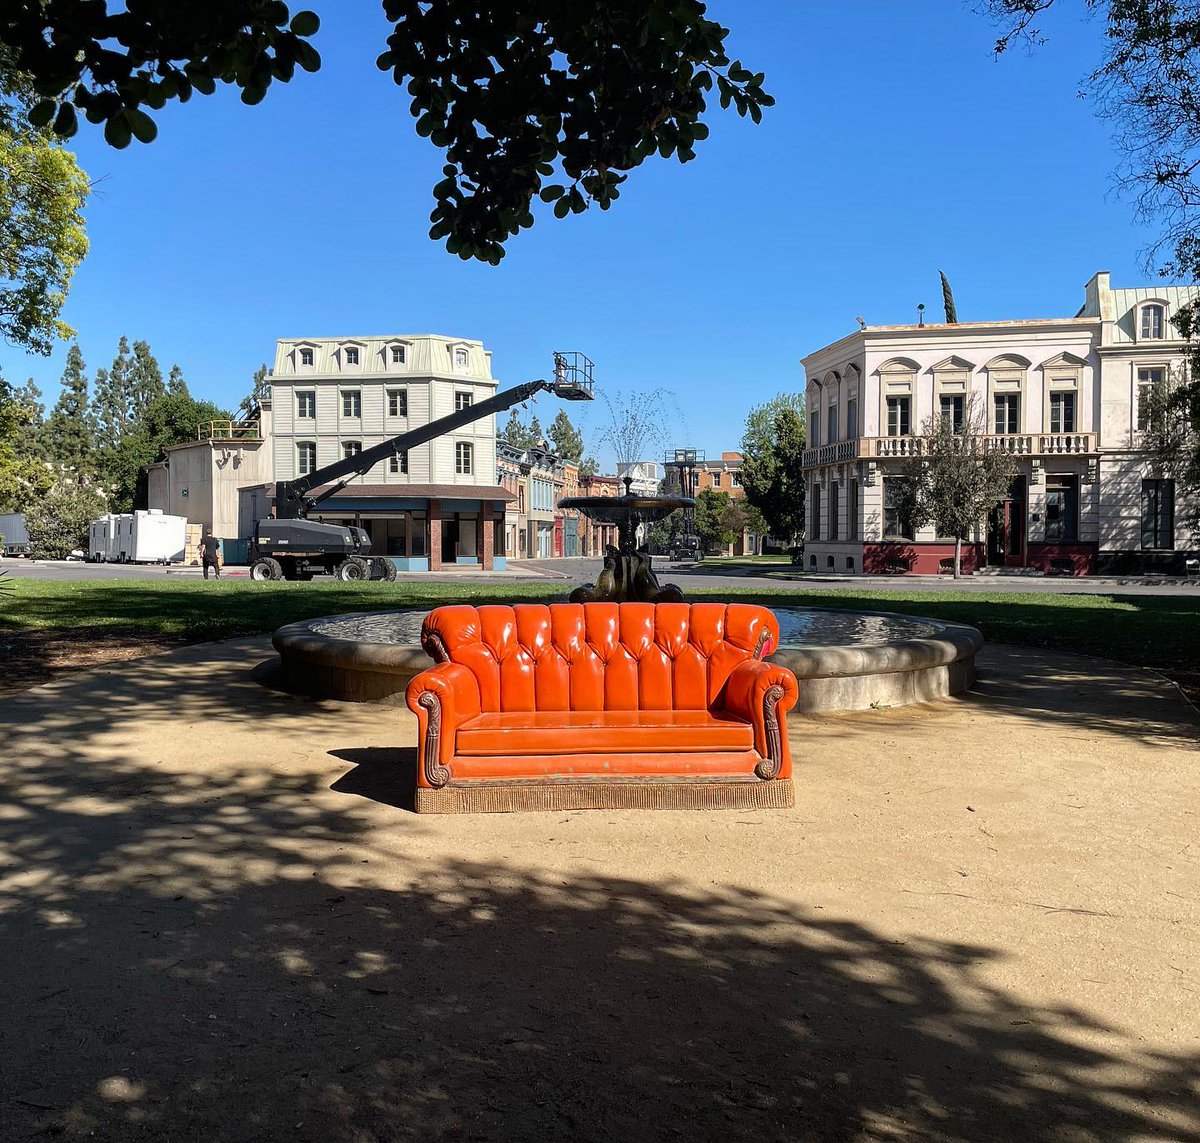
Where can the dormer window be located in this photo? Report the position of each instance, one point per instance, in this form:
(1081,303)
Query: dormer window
(397,354)
(461,360)
(306,358)
(351,352)
(1154,320)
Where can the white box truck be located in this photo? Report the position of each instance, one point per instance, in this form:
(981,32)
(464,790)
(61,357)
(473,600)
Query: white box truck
(14,539)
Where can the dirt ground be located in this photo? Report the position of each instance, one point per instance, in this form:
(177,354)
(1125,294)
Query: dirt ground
(220,921)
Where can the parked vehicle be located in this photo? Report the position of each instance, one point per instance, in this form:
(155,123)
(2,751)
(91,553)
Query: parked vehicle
(685,548)
(150,537)
(14,539)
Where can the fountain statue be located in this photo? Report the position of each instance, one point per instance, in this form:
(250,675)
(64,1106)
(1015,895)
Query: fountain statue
(628,574)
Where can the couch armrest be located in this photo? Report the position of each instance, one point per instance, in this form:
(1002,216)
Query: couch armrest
(442,698)
(762,693)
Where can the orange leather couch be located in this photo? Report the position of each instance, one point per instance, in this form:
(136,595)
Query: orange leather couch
(602,705)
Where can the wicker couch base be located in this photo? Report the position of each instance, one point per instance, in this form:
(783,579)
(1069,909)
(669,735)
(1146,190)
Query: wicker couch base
(635,794)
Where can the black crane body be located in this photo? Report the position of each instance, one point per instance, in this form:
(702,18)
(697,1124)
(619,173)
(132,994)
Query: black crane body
(290,546)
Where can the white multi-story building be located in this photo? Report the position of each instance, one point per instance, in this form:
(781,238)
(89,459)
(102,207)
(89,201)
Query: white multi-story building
(1065,396)
(437,504)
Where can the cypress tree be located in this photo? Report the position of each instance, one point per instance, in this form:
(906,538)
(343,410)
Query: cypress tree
(176,385)
(145,380)
(948,300)
(69,440)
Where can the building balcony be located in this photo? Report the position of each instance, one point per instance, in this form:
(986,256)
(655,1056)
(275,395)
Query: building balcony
(899,448)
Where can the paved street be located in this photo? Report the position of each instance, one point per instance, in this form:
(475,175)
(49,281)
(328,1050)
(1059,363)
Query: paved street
(586,570)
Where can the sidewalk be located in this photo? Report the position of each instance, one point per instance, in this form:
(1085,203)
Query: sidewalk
(981,922)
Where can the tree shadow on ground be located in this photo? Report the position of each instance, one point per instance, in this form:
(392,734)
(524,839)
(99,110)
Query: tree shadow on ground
(235,960)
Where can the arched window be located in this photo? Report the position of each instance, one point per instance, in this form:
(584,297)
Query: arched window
(1153,326)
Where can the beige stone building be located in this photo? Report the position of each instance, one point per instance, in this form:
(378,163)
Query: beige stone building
(1067,397)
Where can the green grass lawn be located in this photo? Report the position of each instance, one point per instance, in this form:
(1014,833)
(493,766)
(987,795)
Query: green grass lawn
(1162,632)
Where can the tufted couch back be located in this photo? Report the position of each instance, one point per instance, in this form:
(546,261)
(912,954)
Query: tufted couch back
(600,656)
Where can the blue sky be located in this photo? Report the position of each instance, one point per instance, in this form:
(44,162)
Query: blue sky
(898,146)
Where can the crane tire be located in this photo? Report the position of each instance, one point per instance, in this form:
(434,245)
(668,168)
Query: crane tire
(266,568)
(383,569)
(353,569)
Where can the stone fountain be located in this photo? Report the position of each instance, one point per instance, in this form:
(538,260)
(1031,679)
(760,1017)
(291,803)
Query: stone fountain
(628,573)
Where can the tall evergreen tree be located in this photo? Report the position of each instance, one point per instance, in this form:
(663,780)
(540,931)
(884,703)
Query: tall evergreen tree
(69,439)
(145,380)
(176,385)
(250,406)
(113,398)
(565,438)
(33,441)
(515,433)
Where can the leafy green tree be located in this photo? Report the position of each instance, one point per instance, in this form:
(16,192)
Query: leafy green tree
(536,436)
(954,481)
(176,385)
(772,463)
(42,195)
(588,466)
(58,521)
(710,519)
(23,478)
(565,438)
(168,420)
(145,379)
(551,101)
(69,441)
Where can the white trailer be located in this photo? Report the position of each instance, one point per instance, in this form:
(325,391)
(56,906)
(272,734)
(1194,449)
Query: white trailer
(102,535)
(139,537)
(14,539)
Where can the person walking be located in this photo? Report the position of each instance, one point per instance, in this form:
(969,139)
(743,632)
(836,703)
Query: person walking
(210,555)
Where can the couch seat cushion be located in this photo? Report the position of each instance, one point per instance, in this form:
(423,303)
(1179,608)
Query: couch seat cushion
(585,732)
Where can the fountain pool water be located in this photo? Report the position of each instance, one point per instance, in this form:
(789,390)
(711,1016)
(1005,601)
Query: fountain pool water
(845,660)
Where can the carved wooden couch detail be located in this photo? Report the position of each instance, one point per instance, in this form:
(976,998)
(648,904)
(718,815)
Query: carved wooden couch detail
(602,705)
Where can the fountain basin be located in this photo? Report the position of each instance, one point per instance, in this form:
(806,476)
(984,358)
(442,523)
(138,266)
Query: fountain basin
(844,660)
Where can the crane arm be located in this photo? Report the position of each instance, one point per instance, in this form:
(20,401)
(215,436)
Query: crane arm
(294,498)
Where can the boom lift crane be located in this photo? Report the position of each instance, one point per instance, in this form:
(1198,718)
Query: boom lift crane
(290,546)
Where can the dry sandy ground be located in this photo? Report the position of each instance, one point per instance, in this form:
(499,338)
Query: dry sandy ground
(218,922)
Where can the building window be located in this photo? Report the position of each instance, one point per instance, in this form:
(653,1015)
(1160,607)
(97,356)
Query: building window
(462,401)
(306,406)
(1008,412)
(460,358)
(834,522)
(852,418)
(397,402)
(1062,509)
(306,457)
(951,407)
(1158,514)
(398,354)
(852,528)
(831,418)
(735,479)
(895,525)
(351,355)
(521,499)
(463,458)
(1062,412)
(352,403)
(399,462)
(816,511)
(899,423)
(1153,323)
(1148,382)
(306,357)
(351,448)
